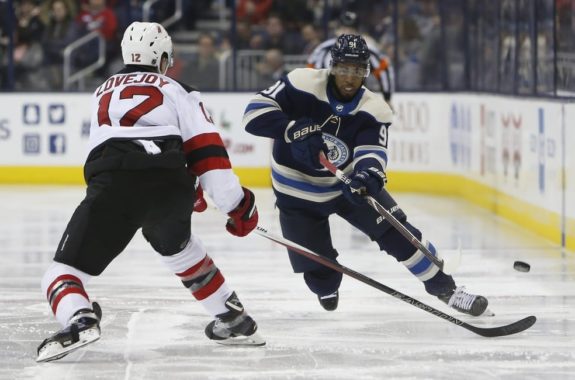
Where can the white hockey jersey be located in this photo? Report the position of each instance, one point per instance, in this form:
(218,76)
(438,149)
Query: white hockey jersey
(143,106)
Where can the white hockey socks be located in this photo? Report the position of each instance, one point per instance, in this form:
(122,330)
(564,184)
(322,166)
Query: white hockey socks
(63,287)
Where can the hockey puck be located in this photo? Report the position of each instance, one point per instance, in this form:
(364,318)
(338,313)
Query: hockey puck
(521,266)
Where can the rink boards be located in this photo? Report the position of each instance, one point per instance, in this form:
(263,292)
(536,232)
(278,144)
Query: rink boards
(509,155)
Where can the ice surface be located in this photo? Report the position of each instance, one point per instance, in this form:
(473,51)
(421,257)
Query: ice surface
(153,329)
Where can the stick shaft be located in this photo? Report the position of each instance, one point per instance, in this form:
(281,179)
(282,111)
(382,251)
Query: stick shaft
(486,332)
(386,214)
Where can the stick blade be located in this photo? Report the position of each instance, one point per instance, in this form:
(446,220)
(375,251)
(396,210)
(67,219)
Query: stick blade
(513,328)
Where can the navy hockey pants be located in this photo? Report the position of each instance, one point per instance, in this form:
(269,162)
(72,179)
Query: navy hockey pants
(307,224)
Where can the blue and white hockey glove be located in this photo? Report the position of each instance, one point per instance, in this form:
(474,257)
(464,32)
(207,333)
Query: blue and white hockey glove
(304,137)
(368,181)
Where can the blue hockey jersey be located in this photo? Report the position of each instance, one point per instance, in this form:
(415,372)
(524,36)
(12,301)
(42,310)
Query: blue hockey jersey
(355,131)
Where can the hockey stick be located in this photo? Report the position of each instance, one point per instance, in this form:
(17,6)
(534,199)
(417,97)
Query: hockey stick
(488,332)
(448,267)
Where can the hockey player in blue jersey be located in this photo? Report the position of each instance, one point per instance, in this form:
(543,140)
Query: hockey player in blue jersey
(329,110)
(380,64)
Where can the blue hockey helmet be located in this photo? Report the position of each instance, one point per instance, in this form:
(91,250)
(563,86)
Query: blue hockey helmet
(350,48)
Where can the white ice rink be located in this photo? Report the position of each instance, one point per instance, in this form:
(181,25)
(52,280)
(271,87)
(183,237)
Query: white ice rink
(152,328)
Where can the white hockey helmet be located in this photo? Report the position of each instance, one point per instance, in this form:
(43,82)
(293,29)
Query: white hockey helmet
(144,43)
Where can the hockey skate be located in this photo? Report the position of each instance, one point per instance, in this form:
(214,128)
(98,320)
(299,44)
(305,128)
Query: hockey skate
(83,328)
(464,302)
(330,301)
(235,327)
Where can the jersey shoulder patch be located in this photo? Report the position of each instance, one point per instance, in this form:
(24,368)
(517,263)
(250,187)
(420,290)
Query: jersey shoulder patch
(311,81)
(376,106)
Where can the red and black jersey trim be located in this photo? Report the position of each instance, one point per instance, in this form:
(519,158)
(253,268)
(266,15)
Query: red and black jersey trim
(206,152)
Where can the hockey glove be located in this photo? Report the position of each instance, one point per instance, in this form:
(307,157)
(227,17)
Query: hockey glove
(244,218)
(304,136)
(368,181)
(200,203)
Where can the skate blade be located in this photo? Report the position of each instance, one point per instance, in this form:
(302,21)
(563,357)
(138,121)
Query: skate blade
(54,350)
(253,340)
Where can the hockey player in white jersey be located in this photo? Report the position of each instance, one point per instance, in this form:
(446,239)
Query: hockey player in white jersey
(150,138)
(381,68)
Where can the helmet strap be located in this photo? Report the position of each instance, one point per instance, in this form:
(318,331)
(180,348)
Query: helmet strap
(164,65)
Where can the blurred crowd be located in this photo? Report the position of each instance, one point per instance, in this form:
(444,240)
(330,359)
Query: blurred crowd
(504,45)
(43,28)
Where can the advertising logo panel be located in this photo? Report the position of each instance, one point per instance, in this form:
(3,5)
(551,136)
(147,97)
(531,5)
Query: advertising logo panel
(460,135)
(511,141)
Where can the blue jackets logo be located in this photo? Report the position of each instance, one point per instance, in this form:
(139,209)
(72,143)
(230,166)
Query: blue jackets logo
(338,151)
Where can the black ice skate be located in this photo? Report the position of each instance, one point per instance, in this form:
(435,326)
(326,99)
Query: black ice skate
(464,302)
(235,327)
(330,301)
(83,328)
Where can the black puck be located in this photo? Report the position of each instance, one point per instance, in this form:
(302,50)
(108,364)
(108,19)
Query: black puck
(521,266)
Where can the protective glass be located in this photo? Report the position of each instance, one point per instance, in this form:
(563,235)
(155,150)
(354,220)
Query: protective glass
(350,70)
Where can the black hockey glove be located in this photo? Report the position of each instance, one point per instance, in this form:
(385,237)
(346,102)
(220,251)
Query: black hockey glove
(368,181)
(304,136)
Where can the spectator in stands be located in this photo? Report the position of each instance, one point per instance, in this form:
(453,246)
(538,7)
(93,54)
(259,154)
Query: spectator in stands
(203,71)
(294,13)
(271,69)
(311,38)
(253,11)
(408,54)
(97,16)
(61,30)
(431,51)
(4,41)
(243,35)
(127,11)
(28,50)
(276,37)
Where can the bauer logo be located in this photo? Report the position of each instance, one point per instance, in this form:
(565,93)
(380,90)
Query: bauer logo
(338,150)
